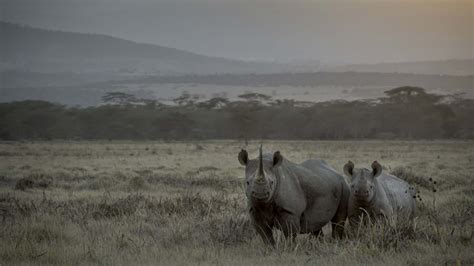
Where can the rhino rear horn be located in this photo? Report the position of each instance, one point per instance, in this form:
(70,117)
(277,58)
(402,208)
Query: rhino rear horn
(277,159)
(376,169)
(348,168)
(243,157)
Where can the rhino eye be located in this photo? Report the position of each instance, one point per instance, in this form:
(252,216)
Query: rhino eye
(248,183)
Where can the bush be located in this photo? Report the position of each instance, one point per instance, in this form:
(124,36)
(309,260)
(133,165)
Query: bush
(137,183)
(24,183)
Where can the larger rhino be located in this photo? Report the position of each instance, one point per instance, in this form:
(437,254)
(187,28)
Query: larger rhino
(295,198)
(378,194)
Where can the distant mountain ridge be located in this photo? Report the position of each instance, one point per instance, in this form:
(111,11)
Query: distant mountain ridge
(32,57)
(25,48)
(29,49)
(313,79)
(458,67)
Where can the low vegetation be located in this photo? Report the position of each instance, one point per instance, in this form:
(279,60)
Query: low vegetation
(183,203)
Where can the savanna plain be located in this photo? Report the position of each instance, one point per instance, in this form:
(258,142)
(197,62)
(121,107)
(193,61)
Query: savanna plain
(168,203)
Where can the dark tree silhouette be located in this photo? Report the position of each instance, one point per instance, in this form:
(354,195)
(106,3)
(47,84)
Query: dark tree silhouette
(119,98)
(406,112)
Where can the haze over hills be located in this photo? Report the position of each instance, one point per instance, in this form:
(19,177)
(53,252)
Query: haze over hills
(78,68)
(315,79)
(28,49)
(25,48)
(311,86)
(444,67)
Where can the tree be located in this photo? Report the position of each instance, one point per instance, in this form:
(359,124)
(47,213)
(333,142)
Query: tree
(186,99)
(408,94)
(119,98)
(214,103)
(258,97)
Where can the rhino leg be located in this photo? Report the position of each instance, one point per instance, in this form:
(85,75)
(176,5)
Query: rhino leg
(338,228)
(265,233)
(339,220)
(289,224)
(318,233)
(263,224)
(355,221)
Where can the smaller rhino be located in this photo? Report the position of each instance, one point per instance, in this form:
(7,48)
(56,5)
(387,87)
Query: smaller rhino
(378,194)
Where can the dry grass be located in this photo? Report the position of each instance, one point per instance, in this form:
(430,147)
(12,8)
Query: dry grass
(183,203)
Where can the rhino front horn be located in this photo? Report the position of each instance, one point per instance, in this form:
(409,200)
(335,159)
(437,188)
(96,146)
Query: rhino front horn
(260,173)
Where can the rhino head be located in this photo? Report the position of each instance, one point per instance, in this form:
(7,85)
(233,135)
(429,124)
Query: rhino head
(363,181)
(260,177)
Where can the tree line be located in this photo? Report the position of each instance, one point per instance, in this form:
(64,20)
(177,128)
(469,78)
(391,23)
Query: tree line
(404,113)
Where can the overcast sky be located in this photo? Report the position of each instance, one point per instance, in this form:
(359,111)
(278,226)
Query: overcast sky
(350,31)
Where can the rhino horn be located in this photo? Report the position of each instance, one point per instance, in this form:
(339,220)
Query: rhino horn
(260,173)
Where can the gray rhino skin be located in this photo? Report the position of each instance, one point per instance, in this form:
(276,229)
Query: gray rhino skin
(378,194)
(295,198)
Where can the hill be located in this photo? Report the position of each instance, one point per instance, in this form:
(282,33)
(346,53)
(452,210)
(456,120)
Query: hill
(25,48)
(318,79)
(444,67)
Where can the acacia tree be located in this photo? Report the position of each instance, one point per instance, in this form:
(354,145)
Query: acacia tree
(119,98)
(186,99)
(414,112)
(214,103)
(411,95)
(255,97)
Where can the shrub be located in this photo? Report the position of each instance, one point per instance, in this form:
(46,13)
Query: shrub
(24,183)
(137,183)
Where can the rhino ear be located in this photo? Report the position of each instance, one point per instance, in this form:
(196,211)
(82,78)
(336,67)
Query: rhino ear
(243,157)
(376,169)
(348,168)
(277,159)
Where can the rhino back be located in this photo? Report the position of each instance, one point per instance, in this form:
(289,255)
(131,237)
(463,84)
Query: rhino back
(317,174)
(318,166)
(398,194)
(324,172)
(300,187)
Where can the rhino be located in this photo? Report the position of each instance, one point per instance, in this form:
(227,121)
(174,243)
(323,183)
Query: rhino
(294,198)
(377,194)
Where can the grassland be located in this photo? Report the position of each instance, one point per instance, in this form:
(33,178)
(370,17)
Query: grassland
(183,203)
